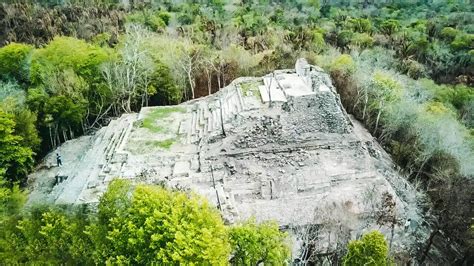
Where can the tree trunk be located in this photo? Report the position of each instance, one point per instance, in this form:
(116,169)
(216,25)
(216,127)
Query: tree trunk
(222,118)
(392,229)
(191,84)
(51,138)
(366,98)
(64,135)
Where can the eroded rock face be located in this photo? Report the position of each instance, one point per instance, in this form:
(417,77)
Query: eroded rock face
(280,147)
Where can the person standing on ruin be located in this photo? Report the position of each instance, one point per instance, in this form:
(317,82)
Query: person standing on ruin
(58,160)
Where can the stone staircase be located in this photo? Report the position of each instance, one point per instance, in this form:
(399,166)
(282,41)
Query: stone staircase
(206,115)
(88,170)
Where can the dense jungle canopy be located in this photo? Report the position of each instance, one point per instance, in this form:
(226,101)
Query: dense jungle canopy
(405,68)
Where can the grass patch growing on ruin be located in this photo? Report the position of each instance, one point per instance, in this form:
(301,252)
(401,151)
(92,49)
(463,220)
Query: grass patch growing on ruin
(150,121)
(251,88)
(163,144)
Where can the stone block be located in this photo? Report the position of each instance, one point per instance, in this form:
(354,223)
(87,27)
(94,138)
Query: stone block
(181,169)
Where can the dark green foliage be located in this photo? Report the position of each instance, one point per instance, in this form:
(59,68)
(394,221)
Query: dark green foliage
(167,91)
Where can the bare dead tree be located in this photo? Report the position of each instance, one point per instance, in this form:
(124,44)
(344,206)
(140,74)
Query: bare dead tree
(188,58)
(128,77)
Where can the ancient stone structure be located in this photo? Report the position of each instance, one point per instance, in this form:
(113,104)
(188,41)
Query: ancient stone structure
(280,147)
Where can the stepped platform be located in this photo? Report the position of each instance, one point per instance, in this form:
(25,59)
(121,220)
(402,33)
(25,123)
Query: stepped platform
(276,147)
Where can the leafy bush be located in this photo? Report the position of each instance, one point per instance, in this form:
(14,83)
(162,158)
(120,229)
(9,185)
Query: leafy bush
(13,61)
(254,244)
(139,224)
(153,225)
(463,42)
(372,249)
(342,65)
(362,40)
(64,53)
(449,33)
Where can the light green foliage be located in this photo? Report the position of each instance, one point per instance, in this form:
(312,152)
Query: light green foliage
(13,61)
(460,97)
(101,39)
(152,19)
(67,53)
(135,224)
(385,88)
(13,101)
(362,40)
(318,43)
(16,160)
(342,65)
(361,25)
(155,225)
(48,236)
(151,120)
(259,243)
(389,27)
(463,42)
(372,249)
(449,33)
(437,108)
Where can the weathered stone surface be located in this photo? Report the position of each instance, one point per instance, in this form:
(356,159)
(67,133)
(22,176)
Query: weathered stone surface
(301,161)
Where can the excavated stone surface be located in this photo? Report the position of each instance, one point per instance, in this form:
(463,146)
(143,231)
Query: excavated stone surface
(300,160)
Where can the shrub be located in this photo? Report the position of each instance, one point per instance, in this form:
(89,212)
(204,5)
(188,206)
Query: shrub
(449,33)
(149,224)
(362,40)
(254,244)
(13,61)
(342,65)
(65,53)
(372,249)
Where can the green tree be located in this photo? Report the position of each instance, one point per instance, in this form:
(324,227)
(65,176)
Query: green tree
(48,235)
(11,198)
(372,249)
(15,159)
(64,53)
(389,27)
(149,224)
(253,244)
(13,61)
(13,101)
